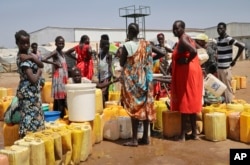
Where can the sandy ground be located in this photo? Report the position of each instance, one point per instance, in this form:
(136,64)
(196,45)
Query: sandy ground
(160,150)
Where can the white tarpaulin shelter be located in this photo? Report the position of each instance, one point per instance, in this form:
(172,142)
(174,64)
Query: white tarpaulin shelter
(8,56)
(8,60)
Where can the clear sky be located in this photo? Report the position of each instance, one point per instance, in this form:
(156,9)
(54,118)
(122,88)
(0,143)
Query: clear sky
(32,15)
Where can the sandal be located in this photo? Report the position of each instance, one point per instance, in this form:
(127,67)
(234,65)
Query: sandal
(143,141)
(131,144)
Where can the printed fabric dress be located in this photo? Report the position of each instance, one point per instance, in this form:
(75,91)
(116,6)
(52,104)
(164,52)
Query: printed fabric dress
(187,84)
(59,78)
(29,100)
(137,77)
(84,61)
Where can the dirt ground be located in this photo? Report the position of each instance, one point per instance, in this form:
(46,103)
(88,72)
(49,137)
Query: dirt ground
(160,150)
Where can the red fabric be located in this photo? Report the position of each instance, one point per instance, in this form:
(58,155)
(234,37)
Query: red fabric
(84,61)
(158,91)
(187,84)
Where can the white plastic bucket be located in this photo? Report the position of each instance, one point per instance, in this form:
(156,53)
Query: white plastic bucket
(81,101)
(214,85)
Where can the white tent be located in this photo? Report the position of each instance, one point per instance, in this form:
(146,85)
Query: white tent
(8,60)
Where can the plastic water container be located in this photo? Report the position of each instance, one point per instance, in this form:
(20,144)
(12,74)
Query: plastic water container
(51,115)
(98,101)
(214,85)
(81,100)
(3,92)
(243,82)
(111,129)
(245,127)
(171,121)
(234,126)
(215,126)
(203,56)
(233,84)
(235,107)
(46,93)
(237,78)
(125,127)
(4,159)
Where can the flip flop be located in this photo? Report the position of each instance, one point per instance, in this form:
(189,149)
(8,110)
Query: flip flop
(130,144)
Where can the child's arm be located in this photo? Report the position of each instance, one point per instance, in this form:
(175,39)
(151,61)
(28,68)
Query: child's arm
(51,55)
(110,65)
(33,78)
(89,52)
(68,53)
(24,57)
(106,84)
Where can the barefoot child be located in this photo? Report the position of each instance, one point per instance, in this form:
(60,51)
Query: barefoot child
(59,75)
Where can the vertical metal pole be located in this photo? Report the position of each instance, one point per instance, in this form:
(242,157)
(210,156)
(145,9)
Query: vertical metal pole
(144,27)
(134,15)
(126,27)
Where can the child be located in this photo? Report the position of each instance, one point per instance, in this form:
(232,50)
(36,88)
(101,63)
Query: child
(34,51)
(38,55)
(59,75)
(28,90)
(105,68)
(76,78)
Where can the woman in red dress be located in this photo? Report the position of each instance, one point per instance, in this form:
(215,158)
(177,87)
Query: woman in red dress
(83,57)
(187,79)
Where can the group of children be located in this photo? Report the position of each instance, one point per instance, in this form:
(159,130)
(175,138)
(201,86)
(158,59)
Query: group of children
(30,64)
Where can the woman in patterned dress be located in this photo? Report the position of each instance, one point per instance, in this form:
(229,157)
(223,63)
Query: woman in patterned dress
(60,76)
(136,80)
(28,90)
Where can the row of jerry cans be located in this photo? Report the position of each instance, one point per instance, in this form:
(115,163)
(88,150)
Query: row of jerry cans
(218,124)
(70,143)
(51,146)
(121,128)
(235,125)
(169,122)
(227,121)
(172,124)
(240,82)
(117,123)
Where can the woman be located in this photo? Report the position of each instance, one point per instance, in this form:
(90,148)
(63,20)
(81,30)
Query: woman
(28,90)
(60,75)
(136,80)
(83,57)
(164,63)
(187,79)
